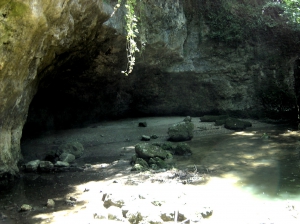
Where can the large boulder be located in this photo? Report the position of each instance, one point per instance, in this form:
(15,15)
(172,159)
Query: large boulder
(147,151)
(32,166)
(157,163)
(46,166)
(182,131)
(236,124)
(67,157)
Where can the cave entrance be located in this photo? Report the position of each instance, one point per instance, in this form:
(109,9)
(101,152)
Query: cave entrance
(81,89)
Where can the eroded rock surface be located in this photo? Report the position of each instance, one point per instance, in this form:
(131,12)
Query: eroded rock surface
(69,54)
(182,131)
(35,34)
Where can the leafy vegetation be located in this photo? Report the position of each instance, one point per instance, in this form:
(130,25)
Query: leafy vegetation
(132,31)
(292,9)
(231,22)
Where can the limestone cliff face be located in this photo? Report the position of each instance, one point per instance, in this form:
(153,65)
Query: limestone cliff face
(64,58)
(198,69)
(199,58)
(32,35)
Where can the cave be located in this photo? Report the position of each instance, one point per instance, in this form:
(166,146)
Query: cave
(62,84)
(70,63)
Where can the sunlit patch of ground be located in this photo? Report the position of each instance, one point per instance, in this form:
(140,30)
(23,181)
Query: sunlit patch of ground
(247,177)
(231,202)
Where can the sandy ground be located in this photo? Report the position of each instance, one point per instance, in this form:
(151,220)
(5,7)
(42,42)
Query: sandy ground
(228,182)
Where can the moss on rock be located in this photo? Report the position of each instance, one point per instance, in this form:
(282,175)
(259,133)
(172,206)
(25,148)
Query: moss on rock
(18,9)
(147,151)
(236,124)
(182,131)
(183,149)
(157,163)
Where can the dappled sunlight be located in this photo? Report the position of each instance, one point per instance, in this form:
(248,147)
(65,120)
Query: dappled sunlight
(247,156)
(266,163)
(290,133)
(227,195)
(242,176)
(242,133)
(244,144)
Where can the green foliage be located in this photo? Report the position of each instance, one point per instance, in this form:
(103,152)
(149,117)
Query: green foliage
(292,9)
(15,8)
(18,9)
(132,31)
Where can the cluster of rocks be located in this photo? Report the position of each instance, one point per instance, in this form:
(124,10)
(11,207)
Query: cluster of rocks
(60,159)
(139,208)
(182,131)
(159,155)
(228,122)
(143,209)
(26,207)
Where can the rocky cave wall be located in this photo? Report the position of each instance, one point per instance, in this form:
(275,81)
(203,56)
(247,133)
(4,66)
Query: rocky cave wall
(33,36)
(188,67)
(65,58)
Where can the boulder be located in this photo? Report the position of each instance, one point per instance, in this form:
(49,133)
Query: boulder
(157,163)
(182,149)
(46,166)
(25,208)
(145,138)
(182,131)
(187,119)
(147,151)
(67,157)
(74,148)
(61,164)
(140,165)
(50,203)
(32,165)
(165,146)
(143,124)
(236,124)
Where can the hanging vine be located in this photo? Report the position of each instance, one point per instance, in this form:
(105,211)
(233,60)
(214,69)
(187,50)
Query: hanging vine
(132,31)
